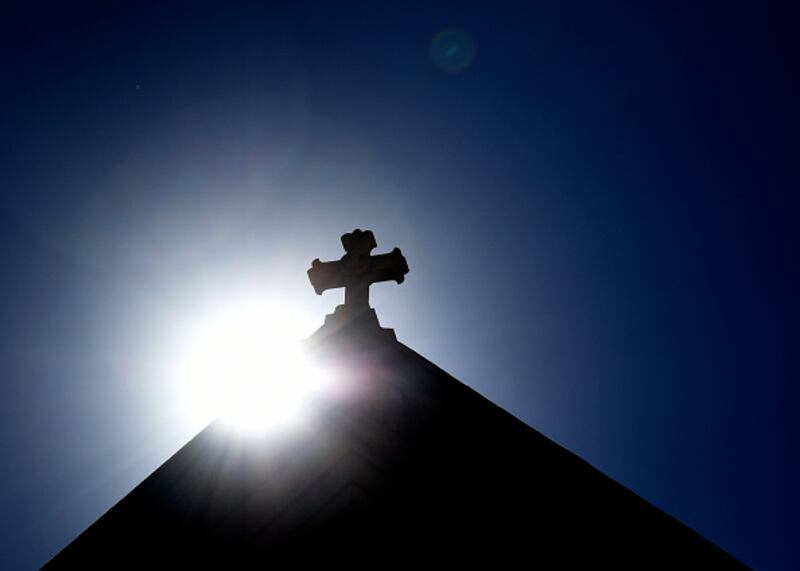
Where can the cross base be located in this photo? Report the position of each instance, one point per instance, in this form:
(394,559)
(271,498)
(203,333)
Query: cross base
(361,324)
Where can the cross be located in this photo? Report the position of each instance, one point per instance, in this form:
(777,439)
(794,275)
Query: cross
(357,270)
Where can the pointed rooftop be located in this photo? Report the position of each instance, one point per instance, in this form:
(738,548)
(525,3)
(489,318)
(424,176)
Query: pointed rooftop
(410,467)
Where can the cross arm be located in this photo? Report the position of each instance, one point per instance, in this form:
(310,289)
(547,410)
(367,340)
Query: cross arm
(387,267)
(326,275)
(350,270)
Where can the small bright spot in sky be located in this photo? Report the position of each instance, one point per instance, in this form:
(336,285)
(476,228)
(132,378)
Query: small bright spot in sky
(243,363)
(453,50)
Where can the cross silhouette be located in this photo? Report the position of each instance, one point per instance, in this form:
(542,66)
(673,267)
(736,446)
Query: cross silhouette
(357,270)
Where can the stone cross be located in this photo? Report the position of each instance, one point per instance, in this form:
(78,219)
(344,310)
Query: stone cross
(357,270)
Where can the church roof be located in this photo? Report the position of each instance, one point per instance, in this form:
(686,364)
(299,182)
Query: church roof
(412,467)
(407,465)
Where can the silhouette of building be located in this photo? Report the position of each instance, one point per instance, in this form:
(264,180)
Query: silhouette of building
(415,468)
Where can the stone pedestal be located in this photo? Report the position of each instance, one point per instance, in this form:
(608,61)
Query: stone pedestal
(361,325)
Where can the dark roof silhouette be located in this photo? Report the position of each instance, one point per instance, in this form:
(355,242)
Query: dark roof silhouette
(414,468)
(419,466)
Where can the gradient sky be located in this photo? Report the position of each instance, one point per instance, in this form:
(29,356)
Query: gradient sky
(599,210)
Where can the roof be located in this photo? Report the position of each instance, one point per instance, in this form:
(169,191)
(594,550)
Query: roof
(412,466)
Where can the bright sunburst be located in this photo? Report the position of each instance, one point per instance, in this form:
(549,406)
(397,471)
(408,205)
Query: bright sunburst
(243,363)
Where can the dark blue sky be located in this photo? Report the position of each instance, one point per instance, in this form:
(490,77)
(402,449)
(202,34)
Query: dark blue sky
(599,212)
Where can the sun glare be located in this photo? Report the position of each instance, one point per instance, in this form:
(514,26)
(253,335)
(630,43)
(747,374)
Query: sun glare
(244,364)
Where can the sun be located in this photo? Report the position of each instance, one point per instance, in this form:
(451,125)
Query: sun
(243,363)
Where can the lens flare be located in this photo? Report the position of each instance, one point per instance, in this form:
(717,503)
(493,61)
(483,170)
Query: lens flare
(453,50)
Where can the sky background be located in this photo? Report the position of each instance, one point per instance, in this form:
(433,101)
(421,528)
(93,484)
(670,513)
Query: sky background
(599,210)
